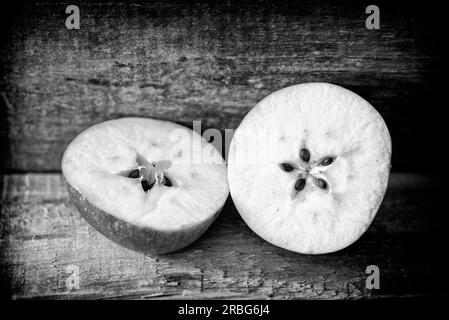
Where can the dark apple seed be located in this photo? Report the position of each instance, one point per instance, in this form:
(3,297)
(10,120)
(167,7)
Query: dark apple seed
(167,182)
(146,185)
(321,183)
(300,184)
(287,167)
(134,174)
(304,155)
(327,161)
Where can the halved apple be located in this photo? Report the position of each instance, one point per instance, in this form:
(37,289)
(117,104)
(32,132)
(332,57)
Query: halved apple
(148,185)
(308,167)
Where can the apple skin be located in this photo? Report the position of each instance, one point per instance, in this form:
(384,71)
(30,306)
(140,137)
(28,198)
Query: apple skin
(141,239)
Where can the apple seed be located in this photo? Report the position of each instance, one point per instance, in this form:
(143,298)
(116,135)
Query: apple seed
(134,174)
(167,182)
(146,185)
(321,183)
(304,154)
(287,167)
(327,161)
(300,184)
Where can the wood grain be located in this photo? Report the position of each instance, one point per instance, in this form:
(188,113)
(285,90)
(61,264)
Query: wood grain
(42,235)
(209,62)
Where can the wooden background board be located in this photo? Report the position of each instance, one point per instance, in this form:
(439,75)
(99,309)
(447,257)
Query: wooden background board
(210,62)
(42,238)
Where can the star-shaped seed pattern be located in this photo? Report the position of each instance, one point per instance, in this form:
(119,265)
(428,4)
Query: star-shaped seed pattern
(304,167)
(150,176)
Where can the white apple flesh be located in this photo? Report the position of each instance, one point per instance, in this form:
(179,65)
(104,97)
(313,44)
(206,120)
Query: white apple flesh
(308,167)
(151,186)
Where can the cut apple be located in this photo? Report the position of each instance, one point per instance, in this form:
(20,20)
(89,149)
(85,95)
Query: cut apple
(149,185)
(308,167)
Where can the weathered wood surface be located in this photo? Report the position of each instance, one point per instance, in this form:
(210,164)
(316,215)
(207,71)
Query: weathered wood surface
(210,62)
(42,235)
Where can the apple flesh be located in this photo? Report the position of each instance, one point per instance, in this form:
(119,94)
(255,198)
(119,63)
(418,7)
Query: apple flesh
(151,186)
(308,167)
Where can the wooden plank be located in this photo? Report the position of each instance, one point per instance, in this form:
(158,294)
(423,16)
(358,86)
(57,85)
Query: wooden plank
(43,239)
(209,62)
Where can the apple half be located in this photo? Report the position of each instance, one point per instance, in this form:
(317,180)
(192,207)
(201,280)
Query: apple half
(308,167)
(149,185)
